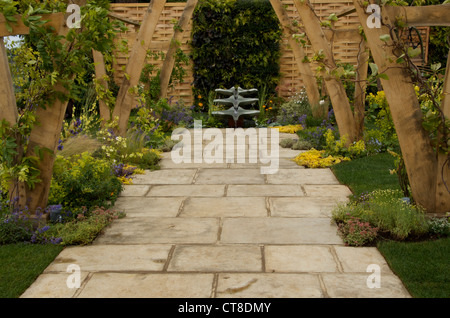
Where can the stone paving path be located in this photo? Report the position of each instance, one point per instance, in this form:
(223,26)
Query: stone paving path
(223,230)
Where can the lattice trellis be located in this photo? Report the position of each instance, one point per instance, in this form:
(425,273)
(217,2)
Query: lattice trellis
(291,79)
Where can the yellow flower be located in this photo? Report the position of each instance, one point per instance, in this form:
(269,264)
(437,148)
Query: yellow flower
(200,104)
(199,96)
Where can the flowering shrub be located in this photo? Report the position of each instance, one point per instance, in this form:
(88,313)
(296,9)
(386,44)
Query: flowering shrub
(124,172)
(295,110)
(315,159)
(17,226)
(339,148)
(127,150)
(83,181)
(355,232)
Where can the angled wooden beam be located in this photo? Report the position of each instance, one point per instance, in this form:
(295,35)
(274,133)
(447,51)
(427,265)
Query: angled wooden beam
(46,135)
(335,88)
(100,73)
(434,15)
(360,86)
(8,107)
(304,68)
(420,159)
(175,43)
(443,166)
(138,55)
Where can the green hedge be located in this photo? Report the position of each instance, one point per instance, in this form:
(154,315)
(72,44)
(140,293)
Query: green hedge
(235,42)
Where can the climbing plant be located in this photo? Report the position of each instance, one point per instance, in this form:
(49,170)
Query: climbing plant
(52,68)
(235,42)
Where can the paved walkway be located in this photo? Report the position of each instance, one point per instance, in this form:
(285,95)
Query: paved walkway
(223,230)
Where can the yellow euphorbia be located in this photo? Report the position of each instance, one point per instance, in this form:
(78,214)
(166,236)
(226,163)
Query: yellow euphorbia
(314,159)
(290,129)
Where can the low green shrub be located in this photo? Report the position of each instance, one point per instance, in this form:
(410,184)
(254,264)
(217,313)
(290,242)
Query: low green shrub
(85,228)
(83,181)
(302,145)
(385,210)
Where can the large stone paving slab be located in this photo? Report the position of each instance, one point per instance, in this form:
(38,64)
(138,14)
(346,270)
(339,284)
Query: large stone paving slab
(215,258)
(161,230)
(179,176)
(326,190)
(224,207)
(170,164)
(167,285)
(149,206)
(134,190)
(302,176)
(53,286)
(357,259)
(266,190)
(112,258)
(229,176)
(194,190)
(274,285)
(299,258)
(279,231)
(356,286)
(303,206)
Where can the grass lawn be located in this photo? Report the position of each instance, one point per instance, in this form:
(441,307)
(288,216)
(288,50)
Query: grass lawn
(367,174)
(21,264)
(424,267)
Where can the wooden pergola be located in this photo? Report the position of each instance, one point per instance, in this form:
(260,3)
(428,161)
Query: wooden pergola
(428,172)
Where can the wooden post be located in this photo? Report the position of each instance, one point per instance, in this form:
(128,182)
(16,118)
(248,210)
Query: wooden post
(46,135)
(167,67)
(100,73)
(443,166)
(8,107)
(420,159)
(125,97)
(360,87)
(308,77)
(336,91)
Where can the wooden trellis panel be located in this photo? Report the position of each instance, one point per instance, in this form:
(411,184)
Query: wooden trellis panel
(160,41)
(291,80)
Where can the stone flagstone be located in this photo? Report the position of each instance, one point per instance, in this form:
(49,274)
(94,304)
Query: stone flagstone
(223,230)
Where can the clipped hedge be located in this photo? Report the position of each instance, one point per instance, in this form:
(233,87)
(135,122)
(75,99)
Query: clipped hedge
(235,42)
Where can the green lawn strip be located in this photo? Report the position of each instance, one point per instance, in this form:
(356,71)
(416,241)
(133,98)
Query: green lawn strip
(21,264)
(424,267)
(367,174)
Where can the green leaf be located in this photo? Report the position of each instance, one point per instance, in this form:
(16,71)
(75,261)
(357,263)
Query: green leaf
(385,37)
(373,68)
(414,52)
(437,66)
(383,76)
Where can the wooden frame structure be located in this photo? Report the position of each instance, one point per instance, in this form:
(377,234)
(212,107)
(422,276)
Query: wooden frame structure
(428,172)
